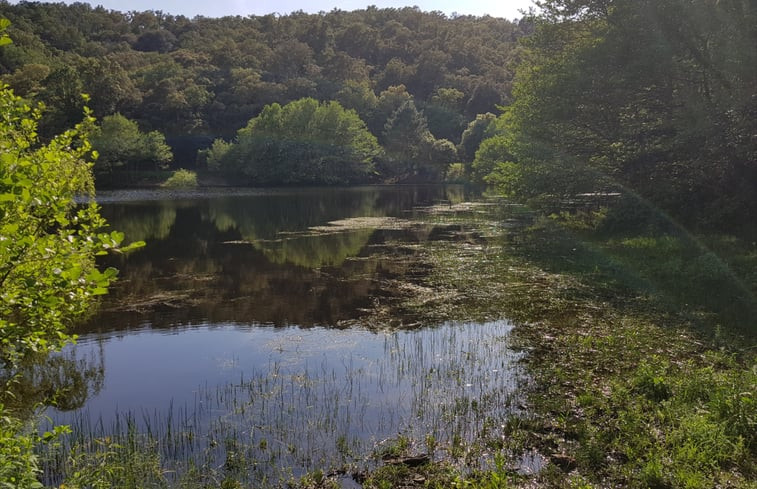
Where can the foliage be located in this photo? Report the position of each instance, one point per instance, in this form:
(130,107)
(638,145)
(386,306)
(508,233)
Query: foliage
(207,76)
(651,97)
(303,142)
(412,152)
(491,161)
(48,242)
(445,120)
(18,464)
(181,178)
(478,129)
(214,155)
(121,145)
(456,173)
(47,272)
(132,465)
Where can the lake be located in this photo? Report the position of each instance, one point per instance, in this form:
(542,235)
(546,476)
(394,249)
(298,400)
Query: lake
(246,331)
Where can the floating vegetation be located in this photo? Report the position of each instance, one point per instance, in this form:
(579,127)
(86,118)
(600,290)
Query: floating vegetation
(615,334)
(355,223)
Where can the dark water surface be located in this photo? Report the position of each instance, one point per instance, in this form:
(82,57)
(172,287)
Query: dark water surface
(230,325)
(248,256)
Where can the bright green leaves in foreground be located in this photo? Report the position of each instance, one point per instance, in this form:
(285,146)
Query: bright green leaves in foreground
(47,241)
(303,142)
(48,245)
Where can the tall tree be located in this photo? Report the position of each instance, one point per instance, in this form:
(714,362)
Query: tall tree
(480,128)
(653,97)
(303,142)
(412,152)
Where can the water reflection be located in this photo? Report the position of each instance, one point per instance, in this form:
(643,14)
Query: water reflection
(250,257)
(294,400)
(224,336)
(65,380)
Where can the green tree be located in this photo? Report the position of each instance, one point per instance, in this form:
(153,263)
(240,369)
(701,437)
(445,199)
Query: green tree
(492,162)
(405,135)
(213,157)
(443,113)
(653,97)
(121,145)
(440,154)
(109,86)
(444,122)
(358,96)
(48,243)
(480,128)
(301,142)
(63,100)
(412,152)
(388,102)
(27,80)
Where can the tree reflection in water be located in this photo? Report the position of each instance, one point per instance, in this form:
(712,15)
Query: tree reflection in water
(255,257)
(64,380)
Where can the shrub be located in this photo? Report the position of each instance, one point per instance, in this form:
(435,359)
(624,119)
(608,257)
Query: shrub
(181,179)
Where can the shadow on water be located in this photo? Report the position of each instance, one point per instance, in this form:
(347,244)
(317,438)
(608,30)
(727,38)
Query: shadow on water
(708,280)
(66,381)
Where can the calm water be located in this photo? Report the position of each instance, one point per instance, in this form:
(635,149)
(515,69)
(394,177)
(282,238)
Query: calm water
(229,325)
(249,257)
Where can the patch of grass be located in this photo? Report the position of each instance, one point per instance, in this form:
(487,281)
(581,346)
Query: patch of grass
(315,480)
(393,448)
(439,475)
(110,464)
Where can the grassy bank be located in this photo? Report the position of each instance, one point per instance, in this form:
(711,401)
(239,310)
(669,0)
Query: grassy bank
(643,370)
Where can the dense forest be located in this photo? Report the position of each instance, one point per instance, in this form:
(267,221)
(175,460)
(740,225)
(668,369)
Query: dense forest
(654,100)
(197,80)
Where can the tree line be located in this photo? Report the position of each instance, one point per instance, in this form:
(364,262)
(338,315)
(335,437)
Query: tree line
(201,79)
(653,100)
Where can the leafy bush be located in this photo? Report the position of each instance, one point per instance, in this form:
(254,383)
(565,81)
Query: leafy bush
(181,179)
(48,244)
(455,173)
(303,142)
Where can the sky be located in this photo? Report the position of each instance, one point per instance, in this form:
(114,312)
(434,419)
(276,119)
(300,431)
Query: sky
(218,8)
